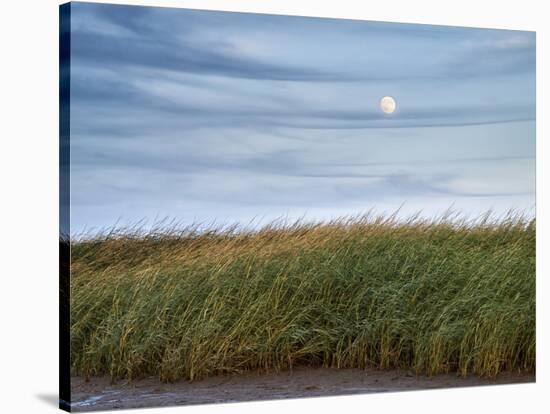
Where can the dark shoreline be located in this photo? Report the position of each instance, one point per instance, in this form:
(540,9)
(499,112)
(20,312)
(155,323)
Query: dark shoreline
(99,394)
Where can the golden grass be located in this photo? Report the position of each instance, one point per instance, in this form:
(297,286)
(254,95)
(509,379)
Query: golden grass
(432,296)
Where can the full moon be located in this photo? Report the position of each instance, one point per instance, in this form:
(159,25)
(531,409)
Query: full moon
(387,105)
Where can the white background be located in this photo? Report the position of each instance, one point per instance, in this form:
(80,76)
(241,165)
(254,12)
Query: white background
(28,210)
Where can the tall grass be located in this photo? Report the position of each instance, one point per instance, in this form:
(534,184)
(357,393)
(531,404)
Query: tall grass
(432,296)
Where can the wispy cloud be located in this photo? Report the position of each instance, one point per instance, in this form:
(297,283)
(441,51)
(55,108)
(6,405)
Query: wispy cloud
(201,114)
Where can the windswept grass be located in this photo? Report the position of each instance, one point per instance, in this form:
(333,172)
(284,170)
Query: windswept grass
(434,297)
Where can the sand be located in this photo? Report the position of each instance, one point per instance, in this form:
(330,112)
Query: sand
(99,394)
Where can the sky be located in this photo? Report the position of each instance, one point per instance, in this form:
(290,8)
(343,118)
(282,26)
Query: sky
(219,117)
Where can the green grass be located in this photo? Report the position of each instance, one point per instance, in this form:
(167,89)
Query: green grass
(434,297)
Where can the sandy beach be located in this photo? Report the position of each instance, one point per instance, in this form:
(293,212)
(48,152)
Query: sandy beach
(99,394)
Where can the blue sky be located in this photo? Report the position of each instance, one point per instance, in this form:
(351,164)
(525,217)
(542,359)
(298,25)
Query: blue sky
(227,117)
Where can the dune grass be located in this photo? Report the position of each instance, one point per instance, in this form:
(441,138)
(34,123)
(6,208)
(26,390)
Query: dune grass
(431,296)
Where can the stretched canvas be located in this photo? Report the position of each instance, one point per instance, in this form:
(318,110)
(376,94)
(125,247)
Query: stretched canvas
(264,206)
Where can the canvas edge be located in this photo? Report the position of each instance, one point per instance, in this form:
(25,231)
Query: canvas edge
(64,206)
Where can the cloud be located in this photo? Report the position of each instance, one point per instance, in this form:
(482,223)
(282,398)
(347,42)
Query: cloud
(153,103)
(179,40)
(273,115)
